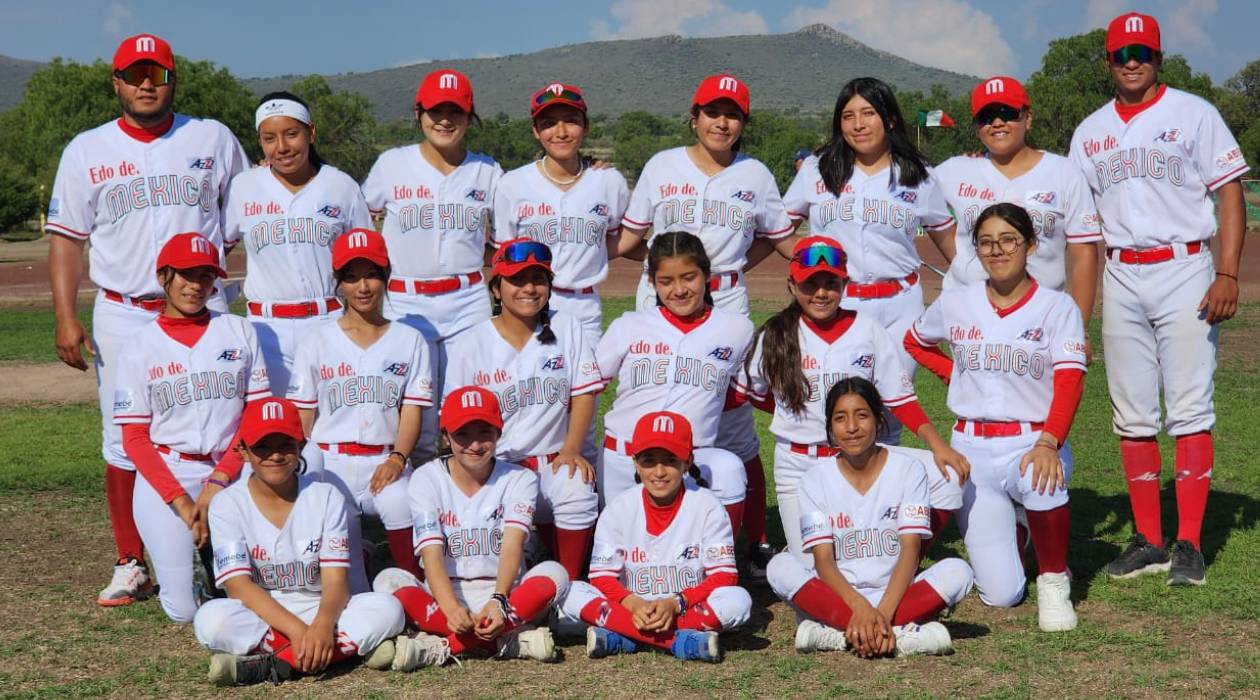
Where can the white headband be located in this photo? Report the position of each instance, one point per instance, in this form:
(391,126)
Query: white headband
(281,108)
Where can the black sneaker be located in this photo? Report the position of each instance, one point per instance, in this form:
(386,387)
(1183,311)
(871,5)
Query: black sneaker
(1187,565)
(1140,557)
(229,669)
(759,557)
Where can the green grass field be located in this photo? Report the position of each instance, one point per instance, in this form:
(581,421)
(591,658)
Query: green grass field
(1136,638)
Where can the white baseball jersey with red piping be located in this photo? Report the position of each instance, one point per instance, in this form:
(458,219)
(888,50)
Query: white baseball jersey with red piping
(129,197)
(1004,361)
(1053,192)
(659,367)
(533,385)
(357,392)
(288,236)
(697,544)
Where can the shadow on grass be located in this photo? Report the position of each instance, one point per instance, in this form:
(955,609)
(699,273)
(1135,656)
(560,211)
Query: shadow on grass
(966,630)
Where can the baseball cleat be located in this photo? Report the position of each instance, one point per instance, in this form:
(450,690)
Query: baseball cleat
(129,584)
(420,651)
(929,638)
(230,669)
(602,642)
(815,636)
(382,657)
(536,644)
(694,645)
(393,578)
(1054,603)
(1187,568)
(759,557)
(1140,557)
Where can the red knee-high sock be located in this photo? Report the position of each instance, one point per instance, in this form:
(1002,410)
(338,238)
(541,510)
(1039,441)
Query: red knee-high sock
(573,550)
(698,617)
(1195,454)
(423,612)
(279,644)
(755,502)
(939,519)
(920,604)
(400,550)
(823,604)
(1050,531)
(119,486)
(530,598)
(547,533)
(1140,457)
(616,617)
(735,512)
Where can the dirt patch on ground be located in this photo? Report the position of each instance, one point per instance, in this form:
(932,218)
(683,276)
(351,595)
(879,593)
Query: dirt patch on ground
(46,383)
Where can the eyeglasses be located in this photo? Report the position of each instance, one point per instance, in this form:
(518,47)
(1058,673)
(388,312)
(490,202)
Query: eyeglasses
(819,255)
(523,251)
(137,73)
(1138,52)
(994,112)
(1003,246)
(551,95)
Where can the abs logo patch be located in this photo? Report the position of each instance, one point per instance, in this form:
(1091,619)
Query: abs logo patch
(556,362)
(203,163)
(745,196)
(331,211)
(724,353)
(230,355)
(397,369)
(476,195)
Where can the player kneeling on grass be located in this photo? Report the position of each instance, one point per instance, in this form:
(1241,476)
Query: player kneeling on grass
(281,551)
(472,515)
(863,517)
(663,569)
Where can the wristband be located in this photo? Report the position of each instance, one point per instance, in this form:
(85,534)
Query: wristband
(1046,443)
(682,603)
(401,456)
(1226,274)
(217,482)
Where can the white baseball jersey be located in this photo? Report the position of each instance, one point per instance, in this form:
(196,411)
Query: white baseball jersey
(660,368)
(288,236)
(1152,178)
(575,223)
(865,529)
(1053,192)
(435,225)
(286,561)
(129,197)
(192,398)
(533,385)
(470,529)
(725,211)
(698,543)
(357,392)
(864,350)
(1004,361)
(875,219)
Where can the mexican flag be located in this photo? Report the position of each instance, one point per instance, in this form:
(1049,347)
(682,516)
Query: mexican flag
(936,117)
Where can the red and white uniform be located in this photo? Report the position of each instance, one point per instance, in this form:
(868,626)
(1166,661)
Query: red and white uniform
(575,224)
(534,386)
(288,239)
(664,364)
(287,562)
(128,195)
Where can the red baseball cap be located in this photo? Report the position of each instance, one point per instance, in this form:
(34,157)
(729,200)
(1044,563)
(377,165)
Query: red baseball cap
(998,90)
(445,85)
(815,254)
(144,47)
(722,86)
(520,253)
(467,404)
(359,243)
(269,416)
(556,94)
(188,250)
(1133,28)
(664,429)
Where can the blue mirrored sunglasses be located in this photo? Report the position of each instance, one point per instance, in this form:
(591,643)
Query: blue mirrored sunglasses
(817,255)
(524,250)
(1124,54)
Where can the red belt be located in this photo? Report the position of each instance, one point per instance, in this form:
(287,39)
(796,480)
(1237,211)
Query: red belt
(990,429)
(715,281)
(814,450)
(300,310)
(881,289)
(184,455)
(532,463)
(146,303)
(1150,256)
(354,448)
(441,286)
(583,290)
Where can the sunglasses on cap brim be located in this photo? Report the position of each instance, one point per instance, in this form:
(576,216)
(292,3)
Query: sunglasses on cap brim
(992,113)
(135,74)
(524,251)
(819,256)
(1138,52)
(551,96)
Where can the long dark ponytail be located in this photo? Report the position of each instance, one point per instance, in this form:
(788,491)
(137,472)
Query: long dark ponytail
(781,357)
(679,244)
(836,158)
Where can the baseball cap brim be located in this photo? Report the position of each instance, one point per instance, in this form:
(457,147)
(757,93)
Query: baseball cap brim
(507,269)
(372,257)
(452,423)
(539,109)
(663,441)
(799,273)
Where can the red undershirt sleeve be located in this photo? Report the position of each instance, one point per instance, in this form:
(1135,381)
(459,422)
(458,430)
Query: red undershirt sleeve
(231,462)
(930,356)
(610,587)
(700,593)
(1069,384)
(911,415)
(139,447)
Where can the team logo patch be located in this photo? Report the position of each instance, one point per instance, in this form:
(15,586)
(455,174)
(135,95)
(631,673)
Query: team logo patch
(725,551)
(745,196)
(312,547)
(331,211)
(908,196)
(496,513)
(600,210)
(123,400)
(556,362)
(866,361)
(523,509)
(590,368)
(1224,161)
(476,195)
(1074,347)
(54,207)
(1041,197)
(890,513)
(691,551)
(722,353)
(1033,334)
(203,163)
(397,369)
(1169,136)
(230,355)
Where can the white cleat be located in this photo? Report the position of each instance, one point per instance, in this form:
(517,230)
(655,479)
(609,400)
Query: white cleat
(815,636)
(1054,603)
(393,578)
(420,651)
(930,638)
(129,584)
(536,644)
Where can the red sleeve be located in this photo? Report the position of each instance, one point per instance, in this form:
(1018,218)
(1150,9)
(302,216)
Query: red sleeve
(611,587)
(1069,384)
(231,462)
(911,415)
(149,463)
(700,593)
(930,356)
(736,398)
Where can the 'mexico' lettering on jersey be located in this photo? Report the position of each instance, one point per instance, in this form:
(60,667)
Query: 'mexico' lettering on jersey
(1139,162)
(354,391)
(446,215)
(159,191)
(307,230)
(713,212)
(165,394)
(691,371)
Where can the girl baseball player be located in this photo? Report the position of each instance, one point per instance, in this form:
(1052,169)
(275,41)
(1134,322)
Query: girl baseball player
(287,214)
(663,569)
(560,201)
(807,347)
(862,517)
(362,383)
(473,513)
(543,370)
(1015,381)
(679,356)
(281,551)
(178,399)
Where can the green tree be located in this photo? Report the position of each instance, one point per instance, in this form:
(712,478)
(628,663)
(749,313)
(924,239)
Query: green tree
(345,130)
(509,141)
(18,199)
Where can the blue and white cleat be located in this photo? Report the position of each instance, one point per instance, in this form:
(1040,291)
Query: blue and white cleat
(601,642)
(694,645)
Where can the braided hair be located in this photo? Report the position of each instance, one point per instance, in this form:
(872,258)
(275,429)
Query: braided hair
(679,244)
(546,336)
(693,471)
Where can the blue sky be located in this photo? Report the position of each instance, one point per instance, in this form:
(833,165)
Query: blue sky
(264,38)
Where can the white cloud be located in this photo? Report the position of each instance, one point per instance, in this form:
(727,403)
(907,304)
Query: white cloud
(1186,25)
(633,19)
(949,34)
(117,16)
(410,62)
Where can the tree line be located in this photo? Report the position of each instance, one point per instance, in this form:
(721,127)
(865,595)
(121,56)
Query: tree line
(65,98)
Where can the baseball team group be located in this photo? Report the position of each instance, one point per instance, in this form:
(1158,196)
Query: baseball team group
(440,377)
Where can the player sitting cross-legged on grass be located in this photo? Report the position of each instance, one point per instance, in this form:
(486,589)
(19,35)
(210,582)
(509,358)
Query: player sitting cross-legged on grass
(663,569)
(282,552)
(863,516)
(472,515)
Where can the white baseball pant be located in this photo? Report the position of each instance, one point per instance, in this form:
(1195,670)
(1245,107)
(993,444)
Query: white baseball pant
(723,470)
(114,328)
(788,573)
(563,500)
(896,314)
(475,593)
(278,338)
(732,605)
(585,307)
(168,539)
(352,476)
(226,625)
